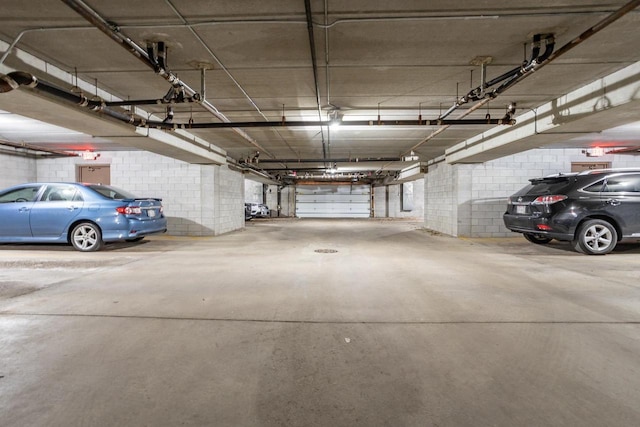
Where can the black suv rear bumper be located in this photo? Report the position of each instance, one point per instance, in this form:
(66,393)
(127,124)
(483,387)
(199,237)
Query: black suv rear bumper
(529,224)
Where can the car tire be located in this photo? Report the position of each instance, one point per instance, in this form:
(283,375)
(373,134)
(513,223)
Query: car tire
(596,237)
(87,237)
(538,239)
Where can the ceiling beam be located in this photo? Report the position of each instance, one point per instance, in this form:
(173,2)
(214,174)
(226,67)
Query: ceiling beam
(605,103)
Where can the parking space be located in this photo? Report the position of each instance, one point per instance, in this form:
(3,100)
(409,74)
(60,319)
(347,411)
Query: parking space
(320,322)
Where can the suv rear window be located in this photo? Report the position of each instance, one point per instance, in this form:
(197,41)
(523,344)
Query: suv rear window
(549,185)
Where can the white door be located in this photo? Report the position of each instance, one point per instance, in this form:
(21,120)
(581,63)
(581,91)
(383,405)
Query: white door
(333,201)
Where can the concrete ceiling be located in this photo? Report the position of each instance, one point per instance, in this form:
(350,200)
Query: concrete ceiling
(390,59)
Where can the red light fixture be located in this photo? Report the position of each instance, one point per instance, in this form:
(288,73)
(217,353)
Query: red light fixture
(129,210)
(549,200)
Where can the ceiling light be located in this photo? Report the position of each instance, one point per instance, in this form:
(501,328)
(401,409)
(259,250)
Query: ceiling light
(335,118)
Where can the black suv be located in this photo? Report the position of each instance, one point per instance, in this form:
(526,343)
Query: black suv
(593,209)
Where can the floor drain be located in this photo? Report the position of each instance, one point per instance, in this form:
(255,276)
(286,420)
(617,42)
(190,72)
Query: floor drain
(326,251)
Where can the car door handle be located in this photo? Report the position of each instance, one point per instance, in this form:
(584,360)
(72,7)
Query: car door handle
(72,208)
(23,209)
(613,202)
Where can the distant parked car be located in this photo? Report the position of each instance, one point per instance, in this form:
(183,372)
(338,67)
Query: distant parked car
(593,210)
(247,212)
(264,211)
(255,209)
(259,210)
(83,215)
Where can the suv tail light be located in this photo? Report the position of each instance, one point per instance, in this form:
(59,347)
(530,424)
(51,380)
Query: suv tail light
(129,210)
(549,200)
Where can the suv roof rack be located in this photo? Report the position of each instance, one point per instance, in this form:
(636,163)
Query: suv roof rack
(609,170)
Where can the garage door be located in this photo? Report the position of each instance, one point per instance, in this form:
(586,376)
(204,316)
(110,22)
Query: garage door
(333,201)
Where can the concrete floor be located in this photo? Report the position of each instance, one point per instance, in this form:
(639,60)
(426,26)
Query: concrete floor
(399,327)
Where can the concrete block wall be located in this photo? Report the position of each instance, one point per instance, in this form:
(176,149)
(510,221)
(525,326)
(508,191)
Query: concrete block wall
(61,169)
(287,201)
(254,194)
(395,196)
(253,191)
(16,170)
(229,198)
(493,182)
(179,184)
(387,201)
(208,206)
(469,200)
(441,199)
(199,200)
(380,201)
(272,199)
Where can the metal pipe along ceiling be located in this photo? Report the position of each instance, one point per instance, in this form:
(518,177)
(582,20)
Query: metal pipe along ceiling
(314,64)
(18,79)
(114,33)
(546,58)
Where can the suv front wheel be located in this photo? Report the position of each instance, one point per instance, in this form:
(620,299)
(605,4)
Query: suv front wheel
(596,237)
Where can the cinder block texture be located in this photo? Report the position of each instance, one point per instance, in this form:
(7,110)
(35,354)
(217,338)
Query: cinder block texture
(395,197)
(199,200)
(228,199)
(380,202)
(253,191)
(469,200)
(288,201)
(16,170)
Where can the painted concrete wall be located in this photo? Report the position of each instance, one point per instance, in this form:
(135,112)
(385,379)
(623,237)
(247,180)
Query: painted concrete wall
(253,194)
(441,199)
(199,200)
(253,191)
(228,194)
(272,199)
(387,201)
(469,200)
(380,201)
(16,170)
(287,201)
(395,196)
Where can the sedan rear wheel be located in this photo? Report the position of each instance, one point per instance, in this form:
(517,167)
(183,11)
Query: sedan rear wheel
(596,237)
(538,239)
(87,237)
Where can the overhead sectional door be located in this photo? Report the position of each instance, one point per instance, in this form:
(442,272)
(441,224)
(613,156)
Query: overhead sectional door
(333,201)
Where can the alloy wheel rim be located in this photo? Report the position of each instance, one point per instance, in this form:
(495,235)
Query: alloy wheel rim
(85,237)
(598,238)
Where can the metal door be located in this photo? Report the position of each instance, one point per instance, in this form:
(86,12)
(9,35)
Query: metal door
(333,201)
(95,174)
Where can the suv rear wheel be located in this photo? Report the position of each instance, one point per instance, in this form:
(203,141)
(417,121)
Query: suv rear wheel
(596,237)
(538,239)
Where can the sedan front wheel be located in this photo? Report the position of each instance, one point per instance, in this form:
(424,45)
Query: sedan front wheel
(596,237)
(87,237)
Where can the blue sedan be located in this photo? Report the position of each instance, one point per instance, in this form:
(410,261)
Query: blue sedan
(83,215)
